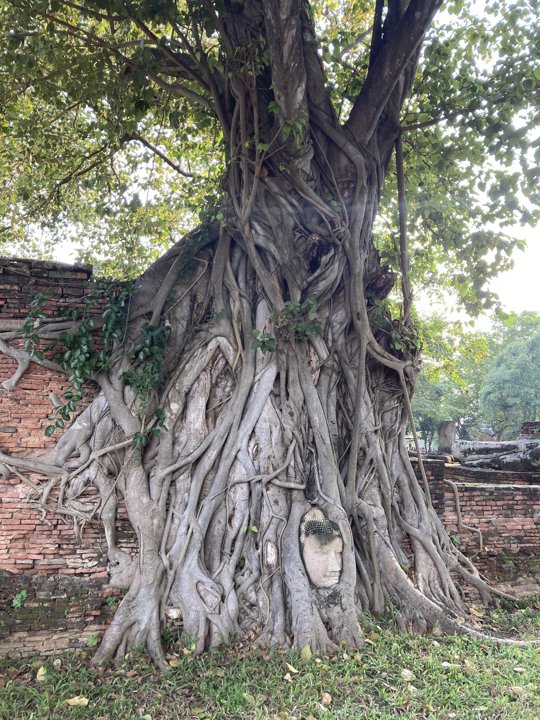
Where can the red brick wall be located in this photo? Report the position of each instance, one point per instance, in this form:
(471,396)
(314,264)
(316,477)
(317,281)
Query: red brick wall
(504,506)
(65,580)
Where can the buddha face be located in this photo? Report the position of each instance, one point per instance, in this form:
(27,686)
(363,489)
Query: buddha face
(322,558)
(322,549)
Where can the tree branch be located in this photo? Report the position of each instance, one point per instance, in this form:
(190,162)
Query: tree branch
(23,359)
(282,20)
(138,138)
(109,17)
(315,81)
(464,111)
(403,241)
(175,88)
(177,61)
(395,52)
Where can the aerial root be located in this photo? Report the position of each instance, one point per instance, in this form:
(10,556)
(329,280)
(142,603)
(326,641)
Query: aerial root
(422,613)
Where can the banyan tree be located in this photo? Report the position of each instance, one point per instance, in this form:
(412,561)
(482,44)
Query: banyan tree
(253,390)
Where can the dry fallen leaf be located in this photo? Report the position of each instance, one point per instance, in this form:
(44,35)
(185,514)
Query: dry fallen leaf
(291,668)
(78,700)
(41,674)
(326,698)
(175,662)
(306,653)
(288,677)
(407,674)
(478,611)
(519,669)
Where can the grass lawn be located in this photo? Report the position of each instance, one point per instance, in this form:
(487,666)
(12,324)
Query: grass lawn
(393,676)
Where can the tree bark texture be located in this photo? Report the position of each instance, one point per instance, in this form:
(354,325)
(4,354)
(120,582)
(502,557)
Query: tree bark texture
(277,420)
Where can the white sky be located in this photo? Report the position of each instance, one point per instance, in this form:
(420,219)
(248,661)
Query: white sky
(519,288)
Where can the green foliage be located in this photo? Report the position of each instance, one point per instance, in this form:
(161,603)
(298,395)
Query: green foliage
(114,315)
(471,153)
(92,640)
(121,166)
(89,170)
(85,350)
(30,325)
(486,382)
(384,320)
(85,152)
(453,365)
(295,129)
(298,320)
(510,393)
(75,350)
(264,341)
(19,599)
(144,373)
(143,437)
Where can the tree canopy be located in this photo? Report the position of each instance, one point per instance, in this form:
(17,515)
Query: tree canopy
(125,162)
(510,391)
(453,365)
(486,382)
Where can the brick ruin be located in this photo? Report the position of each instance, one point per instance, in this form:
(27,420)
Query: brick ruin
(504,506)
(65,579)
(54,590)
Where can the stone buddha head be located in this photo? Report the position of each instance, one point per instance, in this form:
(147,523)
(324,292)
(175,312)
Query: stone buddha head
(322,548)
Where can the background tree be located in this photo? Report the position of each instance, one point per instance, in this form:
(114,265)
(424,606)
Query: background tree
(254,381)
(486,382)
(510,393)
(454,364)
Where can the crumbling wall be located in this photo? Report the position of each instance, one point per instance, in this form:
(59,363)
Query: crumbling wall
(53,585)
(504,506)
